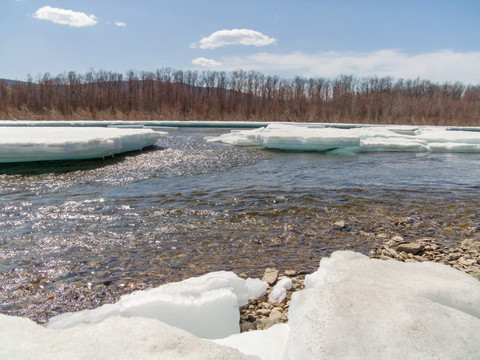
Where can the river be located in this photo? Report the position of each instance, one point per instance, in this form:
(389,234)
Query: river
(79,234)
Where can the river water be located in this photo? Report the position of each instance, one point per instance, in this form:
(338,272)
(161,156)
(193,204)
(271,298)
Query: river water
(79,234)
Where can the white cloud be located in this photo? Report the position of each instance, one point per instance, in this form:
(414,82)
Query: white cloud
(440,66)
(65,17)
(234,37)
(204,62)
(120,23)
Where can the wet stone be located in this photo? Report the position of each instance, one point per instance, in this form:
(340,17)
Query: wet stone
(340,224)
(410,248)
(290,273)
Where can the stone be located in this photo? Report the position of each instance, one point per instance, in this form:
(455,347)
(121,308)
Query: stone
(290,273)
(277,240)
(454,256)
(410,248)
(266,323)
(396,239)
(262,298)
(264,312)
(466,262)
(270,276)
(247,326)
(275,316)
(470,244)
(266,305)
(391,253)
(340,224)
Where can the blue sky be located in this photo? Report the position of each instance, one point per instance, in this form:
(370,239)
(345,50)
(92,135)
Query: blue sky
(435,40)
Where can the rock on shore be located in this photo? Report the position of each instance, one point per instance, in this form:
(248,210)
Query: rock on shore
(465,257)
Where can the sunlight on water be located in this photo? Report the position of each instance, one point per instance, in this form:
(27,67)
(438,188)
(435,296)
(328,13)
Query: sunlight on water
(77,234)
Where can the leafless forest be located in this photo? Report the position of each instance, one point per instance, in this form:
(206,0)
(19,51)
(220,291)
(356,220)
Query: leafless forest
(170,94)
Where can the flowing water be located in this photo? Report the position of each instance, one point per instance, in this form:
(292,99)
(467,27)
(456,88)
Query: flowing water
(78,234)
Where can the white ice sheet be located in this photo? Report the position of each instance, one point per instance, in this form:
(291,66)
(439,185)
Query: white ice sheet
(22,144)
(357,139)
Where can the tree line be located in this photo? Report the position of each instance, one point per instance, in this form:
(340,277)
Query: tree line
(239,95)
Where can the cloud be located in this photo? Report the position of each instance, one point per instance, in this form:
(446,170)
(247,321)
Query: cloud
(440,66)
(234,37)
(65,17)
(120,23)
(204,62)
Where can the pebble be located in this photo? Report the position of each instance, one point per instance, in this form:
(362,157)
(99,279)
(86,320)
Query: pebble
(410,248)
(290,273)
(270,276)
(465,257)
(340,224)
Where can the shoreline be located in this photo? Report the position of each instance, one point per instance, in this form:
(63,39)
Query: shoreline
(261,314)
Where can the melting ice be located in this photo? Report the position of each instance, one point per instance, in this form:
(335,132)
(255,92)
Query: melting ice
(355,139)
(352,307)
(21,144)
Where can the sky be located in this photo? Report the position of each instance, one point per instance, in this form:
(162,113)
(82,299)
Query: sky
(436,40)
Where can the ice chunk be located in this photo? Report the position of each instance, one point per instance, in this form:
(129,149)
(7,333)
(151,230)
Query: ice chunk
(301,137)
(279,291)
(351,320)
(392,144)
(20,144)
(256,288)
(356,307)
(267,344)
(207,306)
(114,338)
(436,282)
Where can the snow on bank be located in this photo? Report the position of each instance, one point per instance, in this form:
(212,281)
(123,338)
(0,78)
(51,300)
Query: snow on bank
(354,140)
(352,307)
(21,144)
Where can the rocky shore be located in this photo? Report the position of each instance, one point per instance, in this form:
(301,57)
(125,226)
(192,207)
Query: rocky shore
(262,313)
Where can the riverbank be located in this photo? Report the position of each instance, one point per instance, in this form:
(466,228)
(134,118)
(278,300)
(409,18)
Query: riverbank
(261,314)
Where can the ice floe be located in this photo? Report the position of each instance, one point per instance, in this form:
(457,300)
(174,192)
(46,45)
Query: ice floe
(113,339)
(207,306)
(356,307)
(353,307)
(27,143)
(354,140)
